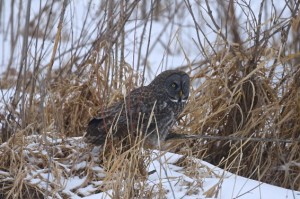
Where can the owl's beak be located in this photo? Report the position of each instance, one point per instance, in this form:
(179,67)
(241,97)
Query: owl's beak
(180,93)
(180,96)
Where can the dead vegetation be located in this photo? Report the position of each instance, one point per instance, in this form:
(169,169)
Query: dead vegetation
(246,82)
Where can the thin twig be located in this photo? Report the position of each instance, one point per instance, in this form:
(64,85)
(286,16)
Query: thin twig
(57,39)
(174,136)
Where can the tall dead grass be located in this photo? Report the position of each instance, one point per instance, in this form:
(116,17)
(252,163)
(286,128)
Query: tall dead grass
(245,81)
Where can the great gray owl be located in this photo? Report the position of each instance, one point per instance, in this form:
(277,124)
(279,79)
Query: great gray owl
(148,111)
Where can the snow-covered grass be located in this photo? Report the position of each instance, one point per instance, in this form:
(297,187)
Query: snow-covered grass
(74,171)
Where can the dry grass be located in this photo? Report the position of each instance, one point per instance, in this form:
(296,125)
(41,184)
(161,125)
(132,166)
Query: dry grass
(246,83)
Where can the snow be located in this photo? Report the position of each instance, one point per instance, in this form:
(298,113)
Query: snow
(178,185)
(65,176)
(197,180)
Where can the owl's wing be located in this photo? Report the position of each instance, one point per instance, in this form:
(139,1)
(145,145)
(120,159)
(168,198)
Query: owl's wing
(94,133)
(99,126)
(120,114)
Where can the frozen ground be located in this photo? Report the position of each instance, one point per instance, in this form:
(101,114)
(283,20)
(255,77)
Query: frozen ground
(62,174)
(179,185)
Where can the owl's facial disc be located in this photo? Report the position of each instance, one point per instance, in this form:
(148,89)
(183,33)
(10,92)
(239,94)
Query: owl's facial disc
(178,88)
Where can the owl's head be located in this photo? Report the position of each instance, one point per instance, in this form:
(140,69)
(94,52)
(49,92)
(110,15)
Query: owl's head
(175,83)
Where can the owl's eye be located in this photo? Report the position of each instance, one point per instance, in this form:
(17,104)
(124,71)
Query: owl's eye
(174,85)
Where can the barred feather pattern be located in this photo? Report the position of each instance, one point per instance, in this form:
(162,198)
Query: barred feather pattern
(147,111)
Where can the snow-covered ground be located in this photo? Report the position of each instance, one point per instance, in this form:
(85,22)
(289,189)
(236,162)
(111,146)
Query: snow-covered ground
(63,174)
(214,183)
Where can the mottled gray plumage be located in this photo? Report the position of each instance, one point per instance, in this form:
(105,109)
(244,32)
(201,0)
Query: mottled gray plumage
(149,111)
